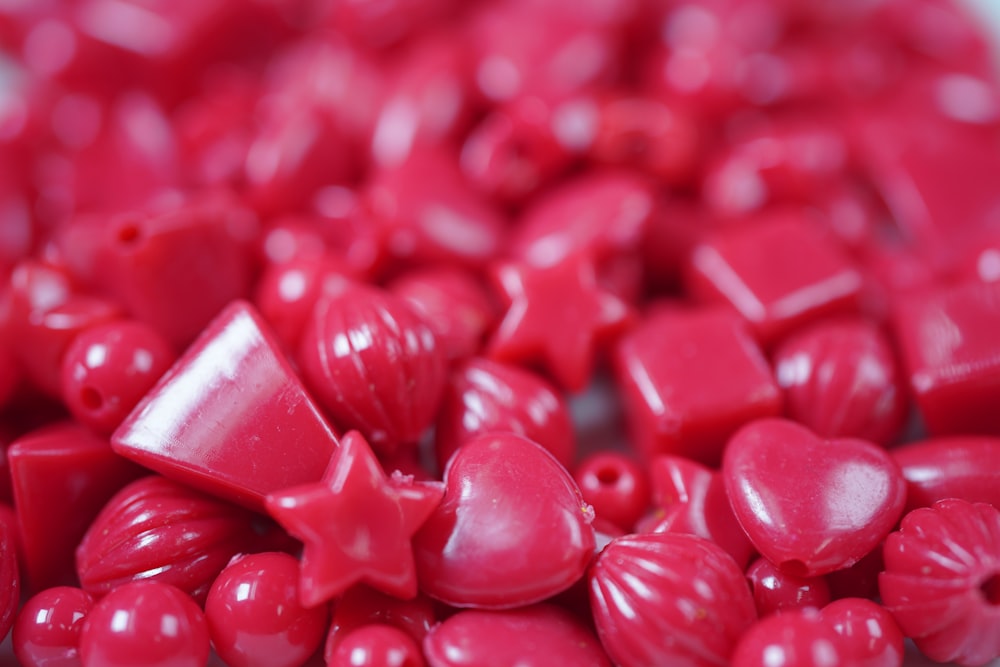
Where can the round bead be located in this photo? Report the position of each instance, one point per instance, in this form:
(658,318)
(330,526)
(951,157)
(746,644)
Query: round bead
(615,485)
(47,631)
(377,646)
(108,368)
(774,590)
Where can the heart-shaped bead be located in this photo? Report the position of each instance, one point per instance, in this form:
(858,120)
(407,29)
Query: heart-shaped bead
(811,506)
(512,529)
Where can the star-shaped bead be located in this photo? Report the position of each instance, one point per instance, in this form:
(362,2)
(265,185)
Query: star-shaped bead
(556,317)
(356,524)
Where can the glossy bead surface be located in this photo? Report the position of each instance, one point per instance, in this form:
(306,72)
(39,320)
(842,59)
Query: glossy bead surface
(231,417)
(538,301)
(950,358)
(144,624)
(62,475)
(776,591)
(868,632)
(688,403)
(667,598)
(47,630)
(793,639)
(841,380)
(966,467)
(505,535)
(362,605)
(809,505)
(615,485)
(815,278)
(531,636)
(484,396)
(108,368)
(376,645)
(155,529)
(345,545)
(254,615)
(940,580)
(10,577)
(374,364)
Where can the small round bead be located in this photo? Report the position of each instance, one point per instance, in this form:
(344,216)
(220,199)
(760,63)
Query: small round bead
(254,615)
(615,485)
(108,368)
(774,590)
(377,645)
(144,624)
(47,631)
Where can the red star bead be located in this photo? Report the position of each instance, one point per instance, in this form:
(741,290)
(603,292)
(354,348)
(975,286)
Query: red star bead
(556,317)
(356,524)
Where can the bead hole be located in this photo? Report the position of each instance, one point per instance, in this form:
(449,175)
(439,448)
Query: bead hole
(991,589)
(794,568)
(91,398)
(608,476)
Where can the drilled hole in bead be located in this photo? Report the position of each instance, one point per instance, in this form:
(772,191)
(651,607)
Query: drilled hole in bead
(794,568)
(991,589)
(129,234)
(91,398)
(608,476)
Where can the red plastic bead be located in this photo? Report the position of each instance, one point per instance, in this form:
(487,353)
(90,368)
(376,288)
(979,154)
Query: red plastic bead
(868,632)
(10,577)
(949,355)
(361,605)
(689,403)
(815,278)
(62,475)
(155,529)
(941,580)
(539,301)
(376,645)
(484,396)
(231,417)
(254,615)
(144,624)
(811,506)
(504,535)
(776,591)
(666,598)
(374,364)
(531,636)
(616,486)
(47,630)
(841,380)
(108,368)
(793,639)
(966,467)
(357,523)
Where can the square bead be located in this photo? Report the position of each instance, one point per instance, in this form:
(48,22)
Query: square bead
(778,273)
(948,343)
(230,417)
(689,379)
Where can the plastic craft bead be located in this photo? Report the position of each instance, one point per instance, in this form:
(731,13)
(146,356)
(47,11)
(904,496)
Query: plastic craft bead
(776,591)
(841,380)
(108,368)
(374,364)
(615,485)
(869,633)
(813,279)
(376,645)
(530,636)
(357,524)
(668,599)
(949,354)
(62,476)
(484,396)
(361,605)
(155,529)
(539,540)
(231,417)
(811,506)
(541,300)
(966,467)
(690,401)
(798,638)
(940,581)
(47,630)
(10,577)
(254,616)
(144,624)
